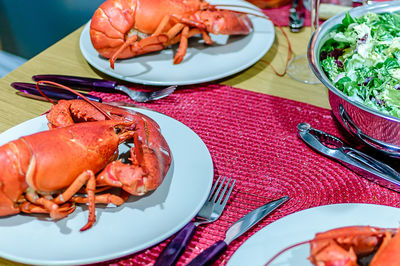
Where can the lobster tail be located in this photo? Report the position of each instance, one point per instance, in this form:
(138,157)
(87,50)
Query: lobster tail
(15,158)
(109,24)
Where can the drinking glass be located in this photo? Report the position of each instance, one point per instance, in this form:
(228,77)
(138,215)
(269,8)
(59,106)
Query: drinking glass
(298,67)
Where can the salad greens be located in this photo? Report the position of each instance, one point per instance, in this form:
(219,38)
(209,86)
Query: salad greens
(362,59)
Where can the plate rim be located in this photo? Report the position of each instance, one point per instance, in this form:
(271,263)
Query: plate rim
(126,251)
(262,52)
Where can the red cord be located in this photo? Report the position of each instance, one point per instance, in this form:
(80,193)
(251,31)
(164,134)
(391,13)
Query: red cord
(71,90)
(290,51)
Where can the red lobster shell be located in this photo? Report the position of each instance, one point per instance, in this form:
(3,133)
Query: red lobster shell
(127,28)
(43,172)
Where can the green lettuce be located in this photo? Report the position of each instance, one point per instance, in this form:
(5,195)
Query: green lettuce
(362,59)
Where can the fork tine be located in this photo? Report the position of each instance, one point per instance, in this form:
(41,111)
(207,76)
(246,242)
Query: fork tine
(167,90)
(162,93)
(218,190)
(223,191)
(213,189)
(228,194)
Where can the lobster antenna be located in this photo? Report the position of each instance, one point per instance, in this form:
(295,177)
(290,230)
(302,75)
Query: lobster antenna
(290,52)
(71,90)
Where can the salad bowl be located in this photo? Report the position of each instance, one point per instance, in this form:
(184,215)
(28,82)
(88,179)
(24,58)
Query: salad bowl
(373,127)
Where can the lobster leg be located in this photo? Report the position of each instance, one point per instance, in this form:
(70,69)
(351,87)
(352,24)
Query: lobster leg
(147,45)
(49,205)
(160,28)
(206,37)
(28,207)
(182,46)
(184,36)
(90,187)
(74,187)
(193,32)
(174,31)
(127,43)
(102,199)
(87,178)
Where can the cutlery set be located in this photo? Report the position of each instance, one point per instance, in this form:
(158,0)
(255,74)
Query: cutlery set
(212,253)
(210,212)
(87,84)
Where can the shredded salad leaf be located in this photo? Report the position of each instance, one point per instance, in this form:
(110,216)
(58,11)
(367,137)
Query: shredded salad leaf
(362,59)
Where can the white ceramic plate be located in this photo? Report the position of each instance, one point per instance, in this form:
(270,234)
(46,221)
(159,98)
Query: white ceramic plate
(134,226)
(302,226)
(202,63)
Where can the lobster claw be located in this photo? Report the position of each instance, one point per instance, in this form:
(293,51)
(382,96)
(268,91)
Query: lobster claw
(146,173)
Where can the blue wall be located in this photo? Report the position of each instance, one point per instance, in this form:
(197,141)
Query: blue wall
(27,27)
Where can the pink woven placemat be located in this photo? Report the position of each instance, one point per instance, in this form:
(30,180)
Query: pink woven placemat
(252,138)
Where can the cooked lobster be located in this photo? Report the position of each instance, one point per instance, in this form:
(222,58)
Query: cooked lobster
(46,171)
(353,245)
(127,28)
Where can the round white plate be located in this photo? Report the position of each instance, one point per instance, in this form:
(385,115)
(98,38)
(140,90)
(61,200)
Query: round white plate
(302,226)
(136,225)
(202,63)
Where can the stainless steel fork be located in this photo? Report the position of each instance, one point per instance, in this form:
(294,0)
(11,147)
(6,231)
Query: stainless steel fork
(211,211)
(146,96)
(106,85)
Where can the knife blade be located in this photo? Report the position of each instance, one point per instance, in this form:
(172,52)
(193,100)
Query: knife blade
(50,91)
(114,103)
(212,253)
(81,82)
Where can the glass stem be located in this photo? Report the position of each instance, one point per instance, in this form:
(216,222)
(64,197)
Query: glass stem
(314,15)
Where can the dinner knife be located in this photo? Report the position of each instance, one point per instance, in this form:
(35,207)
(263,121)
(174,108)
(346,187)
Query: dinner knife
(81,82)
(50,91)
(212,253)
(89,84)
(114,103)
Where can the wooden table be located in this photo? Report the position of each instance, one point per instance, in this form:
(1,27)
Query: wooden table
(64,57)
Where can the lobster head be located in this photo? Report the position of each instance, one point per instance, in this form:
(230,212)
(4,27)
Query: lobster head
(219,21)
